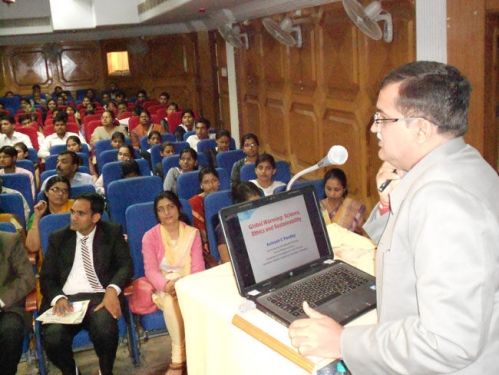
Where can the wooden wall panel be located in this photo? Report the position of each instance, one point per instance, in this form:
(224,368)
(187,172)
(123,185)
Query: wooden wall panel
(29,67)
(77,65)
(324,93)
(251,113)
(275,130)
(304,149)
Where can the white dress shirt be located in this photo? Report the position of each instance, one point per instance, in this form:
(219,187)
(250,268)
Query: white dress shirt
(53,140)
(16,137)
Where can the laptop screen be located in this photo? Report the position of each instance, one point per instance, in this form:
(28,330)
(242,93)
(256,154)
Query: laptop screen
(274,235)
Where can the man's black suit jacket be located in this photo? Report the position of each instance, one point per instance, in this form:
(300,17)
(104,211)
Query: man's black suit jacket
(111,255)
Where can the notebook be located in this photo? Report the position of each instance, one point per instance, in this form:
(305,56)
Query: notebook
(281,255)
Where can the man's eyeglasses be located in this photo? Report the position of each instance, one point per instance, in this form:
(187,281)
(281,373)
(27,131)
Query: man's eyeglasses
(56,190)
(379,120)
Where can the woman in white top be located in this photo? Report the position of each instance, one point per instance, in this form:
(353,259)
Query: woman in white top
(265,170)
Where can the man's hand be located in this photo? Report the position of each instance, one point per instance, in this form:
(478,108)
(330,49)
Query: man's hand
(319,336)
(387,172)
(62,307)
(111,303)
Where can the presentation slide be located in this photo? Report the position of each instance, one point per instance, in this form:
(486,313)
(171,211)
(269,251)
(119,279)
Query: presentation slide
(278,237)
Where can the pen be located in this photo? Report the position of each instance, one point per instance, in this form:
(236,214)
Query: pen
(385,184)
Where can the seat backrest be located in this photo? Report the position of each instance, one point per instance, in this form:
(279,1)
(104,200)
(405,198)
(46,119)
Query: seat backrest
(49,224)
(13,204)
(21,183)
(32,155)
(179,146)
(105,157)
(112,171)
(169,162)
(125,192)
(26,164)
(174,120)
(227,159)
(139,219)
(7,227)
(213,203)
(188,134)
(132,123)
(188,183)
(31,133)
(317,184)
(89,127)
(57,149)
(206,144)
(94,117)
(102,145)
(282,173)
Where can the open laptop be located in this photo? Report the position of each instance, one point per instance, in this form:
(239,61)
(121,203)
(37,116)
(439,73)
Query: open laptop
(281,256)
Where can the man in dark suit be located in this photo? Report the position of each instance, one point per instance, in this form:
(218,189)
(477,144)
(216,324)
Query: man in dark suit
(16,281)
(89,260)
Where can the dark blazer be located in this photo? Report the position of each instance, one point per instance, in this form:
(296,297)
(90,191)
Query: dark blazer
(17,279)
(112,260)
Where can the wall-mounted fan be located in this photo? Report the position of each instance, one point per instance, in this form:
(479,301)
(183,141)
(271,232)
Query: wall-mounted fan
(366,19)
(233,36)
(286,32)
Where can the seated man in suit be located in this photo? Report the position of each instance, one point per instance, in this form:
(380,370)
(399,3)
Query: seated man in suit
(89,260)
(16,281)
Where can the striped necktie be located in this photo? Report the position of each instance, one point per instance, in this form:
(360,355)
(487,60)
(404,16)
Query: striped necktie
(88,266)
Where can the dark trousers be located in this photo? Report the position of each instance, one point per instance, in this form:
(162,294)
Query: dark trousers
(12,331)
(103,331)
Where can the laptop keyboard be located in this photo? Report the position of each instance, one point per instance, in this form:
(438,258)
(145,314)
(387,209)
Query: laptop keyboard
(317,289)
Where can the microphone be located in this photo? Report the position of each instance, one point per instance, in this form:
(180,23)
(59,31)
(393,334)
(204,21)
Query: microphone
(337,155)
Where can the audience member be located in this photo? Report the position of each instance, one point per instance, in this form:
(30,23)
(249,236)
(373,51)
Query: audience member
(8,158)
(166,149)
(125,152)
(202,132)
(9,137)
(242,192)
(265,170)
(73,143)
(130,168)
(17,280)
(209,182)
(60,136)
(22,151)
(188,161)
(67,166)
(88,260)
(107,129)
(144,127)
(337,207)
(171,250)
(185,126)
(55,201)
(250,145)
(222,139)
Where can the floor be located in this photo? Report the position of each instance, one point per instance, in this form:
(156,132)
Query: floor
(155,357)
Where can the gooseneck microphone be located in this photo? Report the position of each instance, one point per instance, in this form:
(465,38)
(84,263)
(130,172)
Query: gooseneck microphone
(337,155)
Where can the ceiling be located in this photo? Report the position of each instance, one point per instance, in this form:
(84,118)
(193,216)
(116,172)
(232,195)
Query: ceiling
(35,21)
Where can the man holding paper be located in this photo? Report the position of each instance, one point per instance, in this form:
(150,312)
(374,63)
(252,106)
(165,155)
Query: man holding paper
(89,260)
